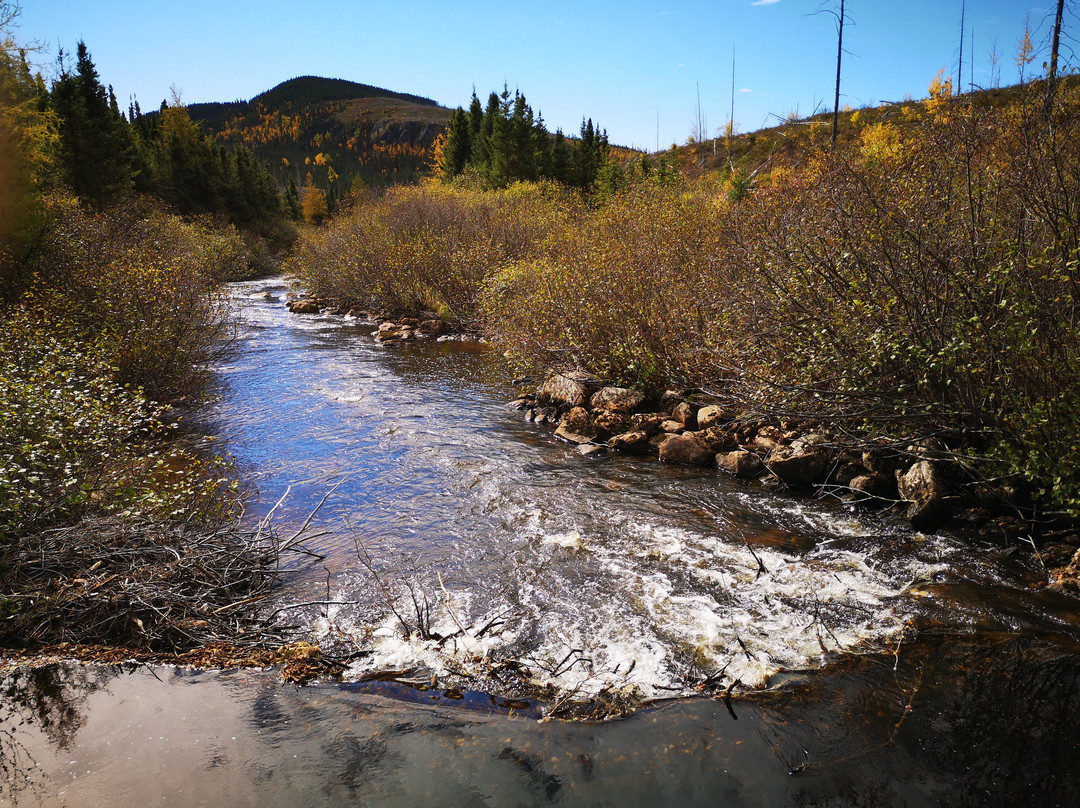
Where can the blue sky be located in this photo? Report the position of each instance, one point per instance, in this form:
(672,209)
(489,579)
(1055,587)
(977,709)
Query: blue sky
(637,68)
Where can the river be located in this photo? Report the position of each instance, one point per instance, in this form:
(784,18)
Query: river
(768,649)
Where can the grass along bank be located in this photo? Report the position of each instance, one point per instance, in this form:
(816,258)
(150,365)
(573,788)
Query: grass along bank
(916,288)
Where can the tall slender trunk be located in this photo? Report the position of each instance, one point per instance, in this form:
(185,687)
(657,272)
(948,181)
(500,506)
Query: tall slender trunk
(839,57)
(1051,72)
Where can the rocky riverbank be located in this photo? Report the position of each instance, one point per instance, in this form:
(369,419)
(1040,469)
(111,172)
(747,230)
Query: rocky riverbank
(927,484)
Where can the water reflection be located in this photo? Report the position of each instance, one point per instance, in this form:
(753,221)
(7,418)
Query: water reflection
(988,723)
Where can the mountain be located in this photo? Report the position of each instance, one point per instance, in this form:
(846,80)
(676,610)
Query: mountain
(341,133)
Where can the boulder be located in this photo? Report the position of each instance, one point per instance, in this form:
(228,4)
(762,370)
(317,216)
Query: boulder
(710,416)
(686,414)
(588,449)
(432,328)
(609,423)
(568,390)
(630,442)
(717,439)
(804,462)
(767,439)
(520,404)
(740,463)
(672,426)
(578,420)
(924,485)
(871,488)
(685,450)
(648,422)
(617,399)
(304,307)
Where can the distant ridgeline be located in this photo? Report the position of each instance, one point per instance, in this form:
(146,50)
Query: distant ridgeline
(331,133)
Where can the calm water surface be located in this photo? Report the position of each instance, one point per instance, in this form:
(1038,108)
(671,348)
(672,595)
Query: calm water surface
(890,668)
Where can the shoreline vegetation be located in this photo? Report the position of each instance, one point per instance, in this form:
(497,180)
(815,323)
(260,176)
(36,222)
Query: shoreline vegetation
(117,526)
(902,311)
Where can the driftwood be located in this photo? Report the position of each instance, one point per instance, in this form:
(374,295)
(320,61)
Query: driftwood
(161,587)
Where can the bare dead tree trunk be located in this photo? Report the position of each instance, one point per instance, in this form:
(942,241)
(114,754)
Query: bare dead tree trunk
(839,57)
(1051,73)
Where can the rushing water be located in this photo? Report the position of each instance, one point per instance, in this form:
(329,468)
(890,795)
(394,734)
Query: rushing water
(465,547)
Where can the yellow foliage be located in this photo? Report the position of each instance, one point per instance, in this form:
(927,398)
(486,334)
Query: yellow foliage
(881,142)
(941,90)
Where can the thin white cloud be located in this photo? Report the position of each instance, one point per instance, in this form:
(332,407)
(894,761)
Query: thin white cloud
(745,90)
(765,2)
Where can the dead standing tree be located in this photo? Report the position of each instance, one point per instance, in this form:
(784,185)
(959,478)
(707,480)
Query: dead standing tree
(841,21)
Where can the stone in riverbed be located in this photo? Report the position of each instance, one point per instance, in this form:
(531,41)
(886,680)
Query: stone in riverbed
(717,439)
(578,421)
(684,450)
(567,389)
(565,434)
(617,399)
(648,422)
(804,462)
(924,485)
(686,414)
(872,488)
(710,416)
(303,307)
(630,442)
(740,463)
(432,328)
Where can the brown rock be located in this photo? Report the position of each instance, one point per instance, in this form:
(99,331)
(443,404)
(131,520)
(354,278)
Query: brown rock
(303,307)
(617,399)
(609,423)
(740,463)
(717,439)
(672,426)
(710,416)
(924,485)
(578,420)
(686,413)
(630,442)
(568,389)
(647,422)
(568,435)
(432,328)
(872,487)
(803,462)
(767,439)
(684,450)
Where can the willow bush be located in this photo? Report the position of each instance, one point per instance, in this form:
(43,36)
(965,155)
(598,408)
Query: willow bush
(119,317)
(430,246)
(140,285)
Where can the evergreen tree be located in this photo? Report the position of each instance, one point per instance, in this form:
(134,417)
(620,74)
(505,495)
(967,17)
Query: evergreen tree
(457,148)
(96,145)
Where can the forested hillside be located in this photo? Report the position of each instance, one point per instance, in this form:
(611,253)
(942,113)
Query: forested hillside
(330,134)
